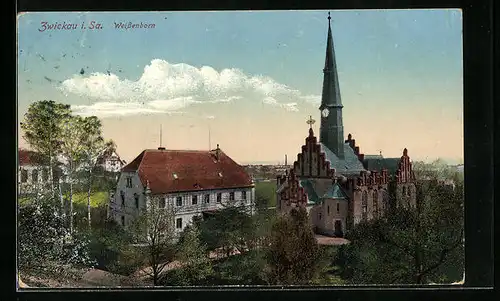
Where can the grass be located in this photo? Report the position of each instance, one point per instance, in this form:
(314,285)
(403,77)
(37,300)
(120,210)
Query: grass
(97,199)
(266,190)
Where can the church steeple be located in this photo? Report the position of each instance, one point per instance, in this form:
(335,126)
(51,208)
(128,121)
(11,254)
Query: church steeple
(332,128)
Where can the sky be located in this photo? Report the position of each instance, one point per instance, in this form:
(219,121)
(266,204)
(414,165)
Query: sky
(249,80)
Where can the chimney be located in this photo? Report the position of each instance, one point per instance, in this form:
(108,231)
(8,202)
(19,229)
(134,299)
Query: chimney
(286,161)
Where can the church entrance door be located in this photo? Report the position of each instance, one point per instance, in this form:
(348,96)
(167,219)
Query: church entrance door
(338,229)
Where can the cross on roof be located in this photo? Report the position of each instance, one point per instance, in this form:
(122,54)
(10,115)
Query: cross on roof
(310,121)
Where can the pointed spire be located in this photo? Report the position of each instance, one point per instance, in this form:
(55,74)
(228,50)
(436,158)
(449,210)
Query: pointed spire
(332,128)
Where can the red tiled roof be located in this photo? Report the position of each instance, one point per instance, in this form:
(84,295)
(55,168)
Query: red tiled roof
(27,157)
(185,170)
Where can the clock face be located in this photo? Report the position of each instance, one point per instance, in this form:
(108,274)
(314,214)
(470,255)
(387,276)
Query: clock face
(325,112)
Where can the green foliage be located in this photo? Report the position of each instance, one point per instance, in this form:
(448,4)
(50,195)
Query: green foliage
(293,255)
(196,266)
(249,268)
(265,194)
(228,228)
(418,245)
(43,237)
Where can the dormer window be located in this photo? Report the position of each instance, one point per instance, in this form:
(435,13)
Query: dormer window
(220,174)
(175,176)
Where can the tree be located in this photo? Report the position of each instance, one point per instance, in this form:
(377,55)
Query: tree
(228,228)
(94,147)
(154,230)
(73,139)
(42,237)
(42,130)
(191,252)
(413,244)
(293,254)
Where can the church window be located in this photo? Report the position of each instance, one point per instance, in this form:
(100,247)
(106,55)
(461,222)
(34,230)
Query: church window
(122,195)
(364,205)
(194,200)
(45,175)
(178,201)
(328,210)
(319,215)
(375,203)
(338,207)
(34,176)
(129,182)
(136,197)
(24,176)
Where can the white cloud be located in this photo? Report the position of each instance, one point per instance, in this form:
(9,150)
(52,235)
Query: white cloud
(166,87)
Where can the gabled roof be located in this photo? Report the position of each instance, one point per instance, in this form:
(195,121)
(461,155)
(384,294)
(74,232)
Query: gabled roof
(187,170)
(28,157)
(350,165)
(335,192)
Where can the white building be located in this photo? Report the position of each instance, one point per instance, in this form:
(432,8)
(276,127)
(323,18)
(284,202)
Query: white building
(111,162)
(32,171)
(193,182)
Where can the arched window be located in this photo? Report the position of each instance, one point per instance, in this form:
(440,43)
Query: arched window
(364,205)
(375,203)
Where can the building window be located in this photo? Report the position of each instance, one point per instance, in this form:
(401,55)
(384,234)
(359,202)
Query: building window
(338,207)
(404,190)
(219,197)
(45,175)
(243,195)
(178,201)
(162,203)
(364,205)
(207,198)
(34,176)
(194,200)
(129,182)
(24,176)
(136,197)
(319,215)
(123,220)
(375,203)
(122,195)
(178,223)
(231,196)
(328,210)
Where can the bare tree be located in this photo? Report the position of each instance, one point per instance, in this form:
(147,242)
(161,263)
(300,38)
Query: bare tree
(154,230)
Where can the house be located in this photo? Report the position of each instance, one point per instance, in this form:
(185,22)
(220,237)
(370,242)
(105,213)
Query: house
(33,171)
(191,181)
(337,184)
(110,161)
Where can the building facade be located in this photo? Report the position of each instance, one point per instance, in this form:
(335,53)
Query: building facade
(111,162)
(190,182)
(33,171)
(337,184)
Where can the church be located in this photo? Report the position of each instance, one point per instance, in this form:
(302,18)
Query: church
(337,184)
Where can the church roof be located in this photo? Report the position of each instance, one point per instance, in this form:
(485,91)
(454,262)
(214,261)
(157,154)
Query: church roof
(377,162)
(350,165)
(187,170)
(335,192)
(312,196)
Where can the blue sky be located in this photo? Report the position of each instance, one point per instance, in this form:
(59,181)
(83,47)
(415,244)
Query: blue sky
(398,69)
